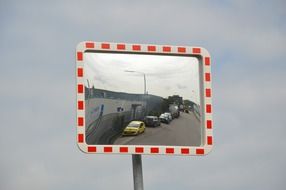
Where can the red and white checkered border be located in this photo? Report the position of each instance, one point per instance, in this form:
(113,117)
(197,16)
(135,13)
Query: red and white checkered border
(204,59)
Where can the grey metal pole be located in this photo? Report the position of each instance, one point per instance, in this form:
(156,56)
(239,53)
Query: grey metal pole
(137,172)
(145,93)
(144,83)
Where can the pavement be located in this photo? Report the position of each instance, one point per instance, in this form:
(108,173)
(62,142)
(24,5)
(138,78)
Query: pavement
(182,131)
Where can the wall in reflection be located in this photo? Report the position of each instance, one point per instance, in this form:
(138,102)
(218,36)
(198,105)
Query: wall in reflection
(108,112)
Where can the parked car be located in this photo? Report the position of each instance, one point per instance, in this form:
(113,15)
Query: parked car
(134,128)
(152,121)
(174,110)
(169,115)
(164,118)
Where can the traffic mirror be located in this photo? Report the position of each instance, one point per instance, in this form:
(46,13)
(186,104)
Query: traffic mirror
(143,99)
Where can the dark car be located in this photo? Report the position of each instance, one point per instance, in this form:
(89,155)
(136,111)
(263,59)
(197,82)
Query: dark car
(152,121)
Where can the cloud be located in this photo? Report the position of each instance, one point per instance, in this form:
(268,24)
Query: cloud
(179,86)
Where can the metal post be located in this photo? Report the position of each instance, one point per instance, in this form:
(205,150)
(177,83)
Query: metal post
(137,172)
(144,83)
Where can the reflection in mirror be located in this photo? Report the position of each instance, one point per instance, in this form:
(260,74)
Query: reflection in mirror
(142,99)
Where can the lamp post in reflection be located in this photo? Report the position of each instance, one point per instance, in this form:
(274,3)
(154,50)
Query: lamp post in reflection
(144,76)
(145,92)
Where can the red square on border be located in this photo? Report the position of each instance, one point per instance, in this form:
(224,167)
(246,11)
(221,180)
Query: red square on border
(210,140)
(208,92)
(139,149)
(105,46)
(200,151)
(80,121)
(170,150)
(80,72)
(79,56)
(208,108)
(89,45)
(151,48)
(107,149)
(207,61)
(166,49)
(154,150)
(80,105)
(121,46)
(209,124)
(79,88)
(80,138)
(136,47)
(196,50)
(181,49)
(207,76)
(123,149)
(185,151)
(91,149)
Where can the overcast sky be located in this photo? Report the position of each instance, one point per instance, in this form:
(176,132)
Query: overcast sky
(165,75)
(247,41)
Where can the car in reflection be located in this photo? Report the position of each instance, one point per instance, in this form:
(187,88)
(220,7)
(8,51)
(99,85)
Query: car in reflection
(134,128)
(164,118)
(174,110)
(152,121)
(169,115)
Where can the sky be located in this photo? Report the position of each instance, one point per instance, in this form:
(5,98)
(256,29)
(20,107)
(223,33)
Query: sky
(165,75)
(247,43)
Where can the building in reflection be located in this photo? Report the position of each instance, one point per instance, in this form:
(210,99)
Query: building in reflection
(107,113)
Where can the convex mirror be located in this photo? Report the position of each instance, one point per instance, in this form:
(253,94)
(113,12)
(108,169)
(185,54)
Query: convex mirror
(143,99)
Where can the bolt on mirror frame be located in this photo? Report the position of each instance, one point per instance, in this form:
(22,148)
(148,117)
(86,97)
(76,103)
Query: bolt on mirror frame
(205,90)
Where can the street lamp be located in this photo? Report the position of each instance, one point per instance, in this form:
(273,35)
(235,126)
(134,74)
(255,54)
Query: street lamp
(144,76)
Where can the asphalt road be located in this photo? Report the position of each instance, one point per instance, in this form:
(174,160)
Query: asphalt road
(183,131)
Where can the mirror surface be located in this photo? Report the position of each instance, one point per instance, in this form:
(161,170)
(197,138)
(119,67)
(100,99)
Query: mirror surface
(142,99)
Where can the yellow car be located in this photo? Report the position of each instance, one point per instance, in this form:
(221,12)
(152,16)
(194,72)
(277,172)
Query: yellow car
(134,128)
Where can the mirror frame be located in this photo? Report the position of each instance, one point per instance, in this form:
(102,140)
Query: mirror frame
(205,97)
